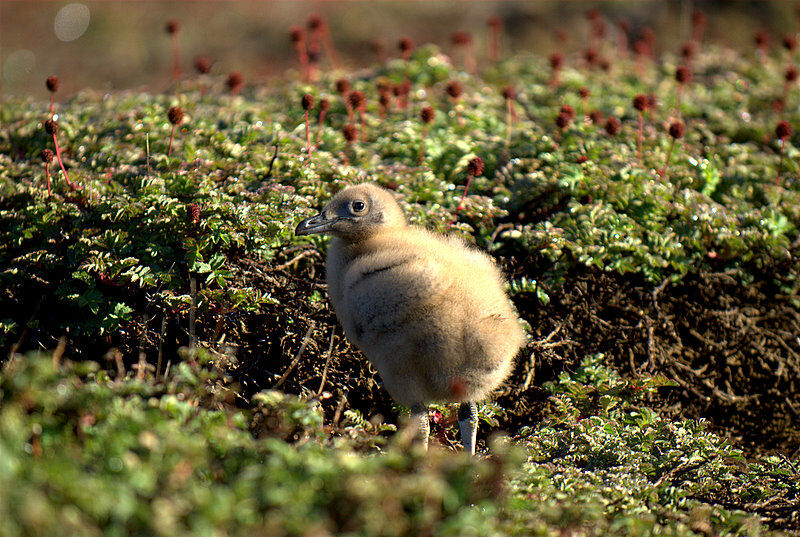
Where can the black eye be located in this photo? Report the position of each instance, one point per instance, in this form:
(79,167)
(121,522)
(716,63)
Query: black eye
(358,206)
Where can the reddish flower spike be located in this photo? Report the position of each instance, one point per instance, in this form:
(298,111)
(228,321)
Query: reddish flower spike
(427,114)
(406,46)
(202,64)
(52,84)
(342,86)
(315,22)
(677,129)
(567,111)
(613,126)
(475,167)
(783,130)
(461,38)
(688,51)
(350,133)
(175,115)
(454,89)
(761,39)
(296,35)
(51,127)
(683,75)
(234,82)
(357,99)
(596,116)
(641,102)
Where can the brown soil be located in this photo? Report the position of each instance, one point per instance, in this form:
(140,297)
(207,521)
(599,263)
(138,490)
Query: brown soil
(733,349)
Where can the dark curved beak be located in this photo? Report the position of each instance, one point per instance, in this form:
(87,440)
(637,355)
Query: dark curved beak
(313,225)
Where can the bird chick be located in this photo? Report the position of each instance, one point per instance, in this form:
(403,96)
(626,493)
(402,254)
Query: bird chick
(428,311)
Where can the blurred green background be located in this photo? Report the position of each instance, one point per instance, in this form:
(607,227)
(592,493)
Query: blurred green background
(112,45)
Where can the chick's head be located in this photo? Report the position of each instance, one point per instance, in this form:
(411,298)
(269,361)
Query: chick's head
(356,213)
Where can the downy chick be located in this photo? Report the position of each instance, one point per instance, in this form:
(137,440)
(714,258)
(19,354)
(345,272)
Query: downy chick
(428,311)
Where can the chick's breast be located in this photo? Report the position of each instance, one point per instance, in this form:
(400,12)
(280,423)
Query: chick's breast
(429,313)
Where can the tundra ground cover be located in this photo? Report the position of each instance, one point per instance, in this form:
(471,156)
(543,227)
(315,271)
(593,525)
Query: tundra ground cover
(179,233)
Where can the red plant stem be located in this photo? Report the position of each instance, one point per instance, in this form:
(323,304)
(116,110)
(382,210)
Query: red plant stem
(469,59)
(308,137)
(320,122)
(512,110)
(348,107)
(463,196)
(347,150)
(312,69)
(52,104)
(780,164)
(585,104)
(71,185)
(555,80)
(171,137)
(639,139)
(302,56)
(176,58)
(422,145)
(494,45)
(509,115)
(663,170)
(47,176)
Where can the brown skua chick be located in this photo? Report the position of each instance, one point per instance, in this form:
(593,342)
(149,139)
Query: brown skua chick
(428,311)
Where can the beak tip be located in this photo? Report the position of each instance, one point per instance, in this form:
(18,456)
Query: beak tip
(310,226)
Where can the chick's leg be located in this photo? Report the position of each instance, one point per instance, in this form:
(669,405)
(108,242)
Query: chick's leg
(419,419)
(468,423)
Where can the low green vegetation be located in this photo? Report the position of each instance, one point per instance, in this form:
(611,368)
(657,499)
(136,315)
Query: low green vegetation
(658,394)
(87,454)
